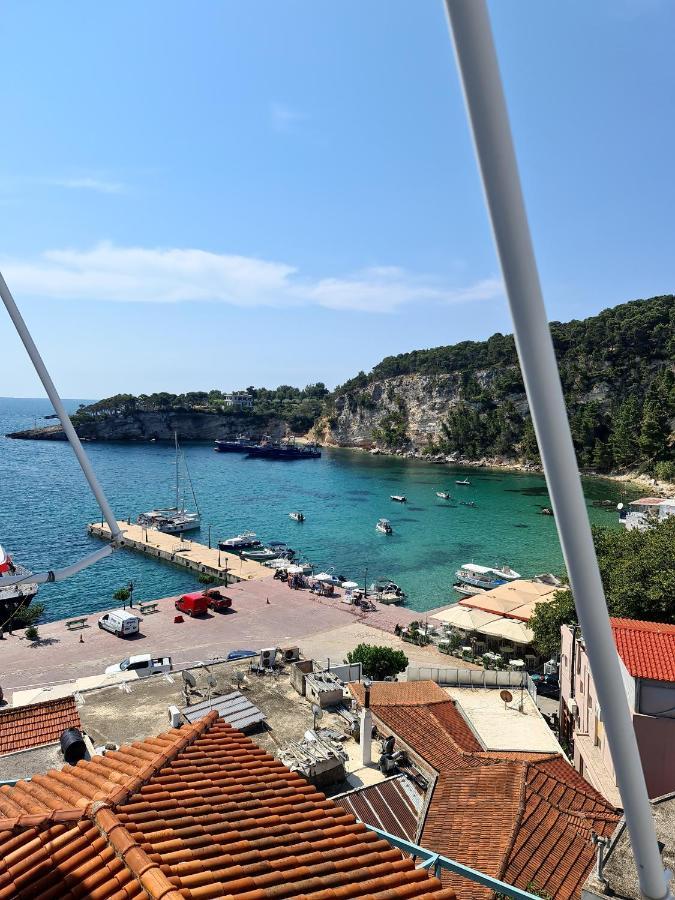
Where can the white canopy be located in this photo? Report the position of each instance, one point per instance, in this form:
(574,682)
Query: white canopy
(349,585)
(323,576)
(508,629)
(464,617)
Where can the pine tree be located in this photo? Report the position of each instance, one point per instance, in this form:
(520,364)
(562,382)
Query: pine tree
(625,433)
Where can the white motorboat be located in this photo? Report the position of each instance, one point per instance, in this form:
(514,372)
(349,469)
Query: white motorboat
(485,577)
(297,516)
(259,554)
(18,594)
(385,586)
(464,481)
(384,526)
(174,519)
(444,495)
(247,540)
(399,498)
(468,590)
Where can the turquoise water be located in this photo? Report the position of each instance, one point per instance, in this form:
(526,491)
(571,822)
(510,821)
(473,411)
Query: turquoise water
(45,505)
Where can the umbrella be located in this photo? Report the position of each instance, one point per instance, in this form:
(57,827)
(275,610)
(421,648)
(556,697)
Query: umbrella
(349,585)
(323,576)
(294,570)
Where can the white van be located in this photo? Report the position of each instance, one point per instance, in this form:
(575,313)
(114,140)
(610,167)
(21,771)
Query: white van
(120,622)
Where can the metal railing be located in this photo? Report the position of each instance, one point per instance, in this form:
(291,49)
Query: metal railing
(438,863)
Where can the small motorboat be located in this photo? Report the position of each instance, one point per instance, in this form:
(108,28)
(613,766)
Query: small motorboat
(470,503)
(386,586)
(464,481)
(297,516)
(259,554)
(444,495)
(399,498)
(384,526)
(245,541)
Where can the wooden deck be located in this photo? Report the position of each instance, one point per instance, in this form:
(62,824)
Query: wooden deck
(185,554)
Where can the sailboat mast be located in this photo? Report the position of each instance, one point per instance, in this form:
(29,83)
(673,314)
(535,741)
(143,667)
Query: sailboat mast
(175,438)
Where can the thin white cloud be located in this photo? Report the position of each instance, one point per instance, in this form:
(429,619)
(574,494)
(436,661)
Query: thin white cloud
(136,274)
(284,118)
(100,185)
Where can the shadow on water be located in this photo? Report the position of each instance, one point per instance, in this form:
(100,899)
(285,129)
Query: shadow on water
(528,491)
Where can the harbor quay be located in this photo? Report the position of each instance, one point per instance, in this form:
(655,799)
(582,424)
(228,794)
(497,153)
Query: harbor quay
(265,613)
(182,552)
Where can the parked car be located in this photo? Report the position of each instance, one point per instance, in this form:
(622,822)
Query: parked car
(218,602)
(241,654)
(548,686)
(194,604)
(119,622)
(144,664)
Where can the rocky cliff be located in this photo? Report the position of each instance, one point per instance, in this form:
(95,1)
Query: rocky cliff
(160,426)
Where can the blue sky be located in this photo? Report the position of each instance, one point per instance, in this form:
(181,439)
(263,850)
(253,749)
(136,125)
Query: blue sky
(229,193)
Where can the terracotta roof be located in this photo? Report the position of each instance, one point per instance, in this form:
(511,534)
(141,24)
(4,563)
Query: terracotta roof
(393,805)
(526,818)
(24,727)
(400,693)
(198,812)
(646,648)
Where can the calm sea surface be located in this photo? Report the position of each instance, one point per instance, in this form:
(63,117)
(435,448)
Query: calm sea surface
(45,505)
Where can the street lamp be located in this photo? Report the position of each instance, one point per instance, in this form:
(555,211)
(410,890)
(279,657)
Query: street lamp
(209,535)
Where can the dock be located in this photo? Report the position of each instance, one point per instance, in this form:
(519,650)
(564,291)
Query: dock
(182,552)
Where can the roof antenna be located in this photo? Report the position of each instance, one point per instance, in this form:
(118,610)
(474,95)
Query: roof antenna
(486,106)
(67,425)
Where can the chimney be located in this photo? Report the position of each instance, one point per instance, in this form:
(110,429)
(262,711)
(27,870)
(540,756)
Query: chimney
(366,734)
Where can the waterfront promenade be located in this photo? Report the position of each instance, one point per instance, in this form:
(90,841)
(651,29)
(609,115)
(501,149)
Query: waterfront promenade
(321,627)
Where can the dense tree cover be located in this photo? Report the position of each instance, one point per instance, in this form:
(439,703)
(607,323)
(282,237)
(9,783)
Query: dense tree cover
(300,407)
(638,574)
(378,662)
(616,370)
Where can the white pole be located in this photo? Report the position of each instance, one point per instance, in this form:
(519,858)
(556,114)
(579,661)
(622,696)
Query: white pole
(479,70)
(59,408)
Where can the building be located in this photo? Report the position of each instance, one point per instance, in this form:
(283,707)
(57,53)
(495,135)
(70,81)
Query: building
(647,658)
(238,399)
(617,869)
(198,812)
(526,818)
(640,514)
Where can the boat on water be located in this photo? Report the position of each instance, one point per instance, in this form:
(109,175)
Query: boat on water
(241,444)
(444,495)
(399,498)
(247,540)
(297,516)
(174,519)
(469,590)
(471,503)
(485,577)
(259,554)
(286,450)
(386,586)
(19,594)
(464,481)
(384,526)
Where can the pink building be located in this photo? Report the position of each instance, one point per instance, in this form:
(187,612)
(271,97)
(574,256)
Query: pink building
(647,658)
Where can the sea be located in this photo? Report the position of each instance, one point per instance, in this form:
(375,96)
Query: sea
(45,505)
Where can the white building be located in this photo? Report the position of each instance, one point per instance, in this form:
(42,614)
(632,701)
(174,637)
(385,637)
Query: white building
(241,400)
(640,514)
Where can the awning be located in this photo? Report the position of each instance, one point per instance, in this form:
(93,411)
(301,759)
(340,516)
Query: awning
(508,629)
(464,618)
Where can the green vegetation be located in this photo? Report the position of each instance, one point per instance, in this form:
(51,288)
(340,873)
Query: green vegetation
(617,375)
(299,407)
(378,662)
(205,578)
(638,574)
(122,595)
(26,615)
(32,633)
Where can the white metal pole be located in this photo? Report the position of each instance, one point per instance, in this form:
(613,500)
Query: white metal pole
(483,92)
(59,408)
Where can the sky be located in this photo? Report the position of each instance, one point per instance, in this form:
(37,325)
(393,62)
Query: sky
(213,195)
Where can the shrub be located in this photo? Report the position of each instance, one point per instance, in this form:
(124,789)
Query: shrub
(378,662)
(32,633)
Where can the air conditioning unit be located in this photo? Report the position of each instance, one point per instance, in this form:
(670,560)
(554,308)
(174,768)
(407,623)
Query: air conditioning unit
(291,654)
(268,657)
(174,717)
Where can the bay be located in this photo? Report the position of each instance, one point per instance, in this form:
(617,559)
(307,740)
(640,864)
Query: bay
(45,505)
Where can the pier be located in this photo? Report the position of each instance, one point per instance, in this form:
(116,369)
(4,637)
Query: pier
(182,552)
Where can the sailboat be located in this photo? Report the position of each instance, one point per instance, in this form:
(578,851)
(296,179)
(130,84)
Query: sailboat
(174,519)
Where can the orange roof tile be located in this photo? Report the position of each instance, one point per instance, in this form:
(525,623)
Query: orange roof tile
(526,818)
(646,648)
(198,812)
(400,693)
(24,727)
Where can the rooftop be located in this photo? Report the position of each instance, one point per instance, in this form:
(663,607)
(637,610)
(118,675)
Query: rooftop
(197,812)
(40,723)
(619,868)
(525,817)
(506,599)
(646,648)
(393,805)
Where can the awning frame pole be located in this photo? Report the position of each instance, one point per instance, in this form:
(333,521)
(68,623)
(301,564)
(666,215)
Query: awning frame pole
(59,408)
(486,106)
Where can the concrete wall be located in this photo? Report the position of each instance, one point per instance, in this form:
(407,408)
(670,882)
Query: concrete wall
(656,740)
(656,698)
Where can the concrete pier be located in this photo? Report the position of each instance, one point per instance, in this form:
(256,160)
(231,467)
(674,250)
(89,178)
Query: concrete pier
(184,553)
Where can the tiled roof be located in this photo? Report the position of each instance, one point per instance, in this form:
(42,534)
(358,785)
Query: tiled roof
(646,648)
(393,805)
(23,727)
(401,693)
(198,812)
(526,818)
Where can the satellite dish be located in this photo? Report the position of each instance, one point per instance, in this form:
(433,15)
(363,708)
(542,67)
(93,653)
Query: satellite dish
(506,696)
(189,678)
(619,505)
